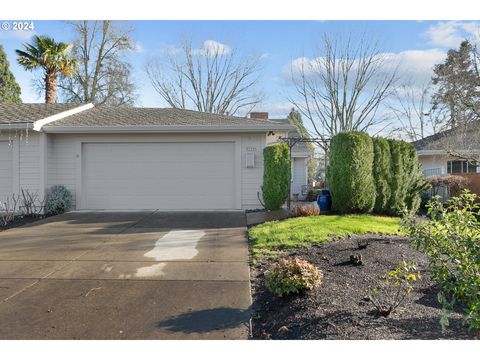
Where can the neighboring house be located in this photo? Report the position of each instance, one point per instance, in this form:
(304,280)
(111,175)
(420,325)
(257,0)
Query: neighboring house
(440,154)
(437,152)
(115,158)
(300,157)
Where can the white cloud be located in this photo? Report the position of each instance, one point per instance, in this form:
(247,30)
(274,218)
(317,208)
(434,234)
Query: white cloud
(412,65)
(16,35)
(212,48)
(137,47)
(452,33)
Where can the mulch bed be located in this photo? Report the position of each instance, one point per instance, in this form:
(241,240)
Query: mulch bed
(340,309)
(21,221)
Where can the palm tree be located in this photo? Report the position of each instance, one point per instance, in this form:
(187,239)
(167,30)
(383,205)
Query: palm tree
(51,56)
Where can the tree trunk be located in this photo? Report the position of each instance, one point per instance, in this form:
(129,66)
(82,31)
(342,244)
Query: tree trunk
(50,88)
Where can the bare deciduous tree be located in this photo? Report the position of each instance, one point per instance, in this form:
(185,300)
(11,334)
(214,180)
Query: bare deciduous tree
(213,80)
(414,116)
(103,75)
(342,88)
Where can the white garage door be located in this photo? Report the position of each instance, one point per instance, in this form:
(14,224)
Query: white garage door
(6,183)
(165,176)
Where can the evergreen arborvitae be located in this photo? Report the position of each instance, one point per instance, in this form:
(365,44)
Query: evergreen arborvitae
(381,173)
(9,88)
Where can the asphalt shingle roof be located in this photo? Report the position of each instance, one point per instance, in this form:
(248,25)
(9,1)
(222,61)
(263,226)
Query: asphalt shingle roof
(29,113)
(120,116)
(462,138)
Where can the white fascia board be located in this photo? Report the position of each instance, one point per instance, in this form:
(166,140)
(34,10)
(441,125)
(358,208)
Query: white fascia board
(37,125)
(164,129)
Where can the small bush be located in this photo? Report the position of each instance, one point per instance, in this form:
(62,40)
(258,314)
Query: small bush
(350,175)
(398,285)
(454,184)
(290,276)
(313,194)
(306,210)
(59,200)
(451,241)
(276,175)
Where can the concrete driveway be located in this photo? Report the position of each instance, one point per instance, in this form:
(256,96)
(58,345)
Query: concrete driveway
(126,275)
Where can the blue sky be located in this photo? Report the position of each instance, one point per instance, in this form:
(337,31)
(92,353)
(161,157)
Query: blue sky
(416,45)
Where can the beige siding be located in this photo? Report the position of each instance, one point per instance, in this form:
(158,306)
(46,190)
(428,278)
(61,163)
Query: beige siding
(252,178)
(299,176)
(29,161)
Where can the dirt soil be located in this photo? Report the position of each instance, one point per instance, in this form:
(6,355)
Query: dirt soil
(20,221)
(340,308)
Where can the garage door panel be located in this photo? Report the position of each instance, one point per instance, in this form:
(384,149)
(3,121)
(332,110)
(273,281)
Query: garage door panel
(158,176)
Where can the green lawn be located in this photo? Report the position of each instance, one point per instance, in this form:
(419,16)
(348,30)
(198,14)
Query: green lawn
(270,238)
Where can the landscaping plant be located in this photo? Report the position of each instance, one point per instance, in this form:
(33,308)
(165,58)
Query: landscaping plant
(289,276)
(398,284)
(350,175)
(451,241)
(381,173)
(59,200)
(306,210)
(276,175)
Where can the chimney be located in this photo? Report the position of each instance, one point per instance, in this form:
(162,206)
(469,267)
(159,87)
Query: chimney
(259,115)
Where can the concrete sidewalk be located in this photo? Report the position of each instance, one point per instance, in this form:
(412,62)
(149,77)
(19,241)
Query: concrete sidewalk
(138,275)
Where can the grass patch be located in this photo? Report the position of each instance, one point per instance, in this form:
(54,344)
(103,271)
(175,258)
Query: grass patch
(271,238)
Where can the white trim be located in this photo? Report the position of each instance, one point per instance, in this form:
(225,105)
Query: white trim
(163,129)
(37,125)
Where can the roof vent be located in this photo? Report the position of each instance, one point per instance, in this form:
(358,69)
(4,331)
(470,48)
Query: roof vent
(259,115)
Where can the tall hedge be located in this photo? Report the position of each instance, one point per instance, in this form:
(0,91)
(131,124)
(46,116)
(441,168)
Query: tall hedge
(350,173)
(416,180)
(406,181)
(381,173)
(398,183)
(276,175)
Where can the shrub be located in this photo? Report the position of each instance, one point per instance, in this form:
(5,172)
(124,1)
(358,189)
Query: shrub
(381,173)
(451,241)
(415,181)
(306,210)
(292,276)
(59,200)
(349,174)
(454,184)
(313,194)
(406,179)
(276,175)
(398,285)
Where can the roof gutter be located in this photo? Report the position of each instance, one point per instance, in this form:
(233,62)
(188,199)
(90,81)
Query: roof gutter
(16,126)
(445,152)
(165,128)
(39,124)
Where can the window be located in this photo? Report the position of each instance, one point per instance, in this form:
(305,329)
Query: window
(461,166)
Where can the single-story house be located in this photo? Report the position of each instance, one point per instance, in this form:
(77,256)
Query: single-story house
(440,154)
(116,158)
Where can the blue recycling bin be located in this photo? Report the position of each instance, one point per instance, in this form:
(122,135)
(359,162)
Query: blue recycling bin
(324,200)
